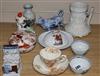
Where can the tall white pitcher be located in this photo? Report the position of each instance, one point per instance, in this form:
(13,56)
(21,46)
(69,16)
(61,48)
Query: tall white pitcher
(80,17)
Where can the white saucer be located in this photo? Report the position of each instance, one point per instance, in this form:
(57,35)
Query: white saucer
(40,66)
(46,40)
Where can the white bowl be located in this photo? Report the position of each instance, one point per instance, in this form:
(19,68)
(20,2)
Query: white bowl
(80,47)
(80,64)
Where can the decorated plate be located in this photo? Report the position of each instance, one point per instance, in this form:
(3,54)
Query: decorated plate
(60,40)
(24,39)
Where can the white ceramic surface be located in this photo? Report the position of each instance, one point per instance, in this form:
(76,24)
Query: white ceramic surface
(79,6)
(11,74)
(80,47)
(80,64)
(46,40)
(41,67)
(28,12)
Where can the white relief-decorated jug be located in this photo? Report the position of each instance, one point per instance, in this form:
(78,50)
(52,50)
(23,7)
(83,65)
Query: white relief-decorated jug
(80,17)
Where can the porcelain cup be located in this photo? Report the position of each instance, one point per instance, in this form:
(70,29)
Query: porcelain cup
(51,56)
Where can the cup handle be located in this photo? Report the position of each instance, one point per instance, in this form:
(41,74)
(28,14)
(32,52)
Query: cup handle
(61,59)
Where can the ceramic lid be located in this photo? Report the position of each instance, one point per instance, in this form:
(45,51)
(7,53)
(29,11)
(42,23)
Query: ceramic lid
(28,5)
(50,53)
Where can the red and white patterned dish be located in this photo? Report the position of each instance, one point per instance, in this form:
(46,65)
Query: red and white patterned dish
(26,40)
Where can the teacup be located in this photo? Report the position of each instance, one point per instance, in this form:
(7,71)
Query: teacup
(51,56)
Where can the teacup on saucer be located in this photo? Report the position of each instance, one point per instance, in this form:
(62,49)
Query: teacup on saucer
(51,61)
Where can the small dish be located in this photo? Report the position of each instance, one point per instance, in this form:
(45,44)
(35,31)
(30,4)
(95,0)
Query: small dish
(24,39)
(80,64)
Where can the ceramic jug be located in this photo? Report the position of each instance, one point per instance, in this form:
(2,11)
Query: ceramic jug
(29,13)
(80,17)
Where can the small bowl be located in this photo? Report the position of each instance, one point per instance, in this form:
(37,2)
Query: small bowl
(80,47)
(80,64)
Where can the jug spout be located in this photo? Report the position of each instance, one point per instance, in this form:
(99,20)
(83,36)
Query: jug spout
(90,15)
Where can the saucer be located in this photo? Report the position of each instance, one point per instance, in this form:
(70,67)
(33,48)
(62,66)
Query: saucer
(40,66)
(46,40)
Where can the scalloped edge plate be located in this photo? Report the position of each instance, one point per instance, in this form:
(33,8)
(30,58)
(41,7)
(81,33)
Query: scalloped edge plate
(65,35)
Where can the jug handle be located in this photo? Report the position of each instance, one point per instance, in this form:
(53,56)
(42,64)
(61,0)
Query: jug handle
(90,13)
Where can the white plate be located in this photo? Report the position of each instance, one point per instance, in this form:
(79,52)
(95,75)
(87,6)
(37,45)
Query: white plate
(40,66)
(46,40)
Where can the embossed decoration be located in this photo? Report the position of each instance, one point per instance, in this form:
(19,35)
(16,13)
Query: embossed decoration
(80,17)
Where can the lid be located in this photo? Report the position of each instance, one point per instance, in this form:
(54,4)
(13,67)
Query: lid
(28,5)
(50,53)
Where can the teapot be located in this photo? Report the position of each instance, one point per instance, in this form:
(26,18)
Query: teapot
(80,17)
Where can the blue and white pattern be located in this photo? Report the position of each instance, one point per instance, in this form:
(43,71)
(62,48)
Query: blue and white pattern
(52,22)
